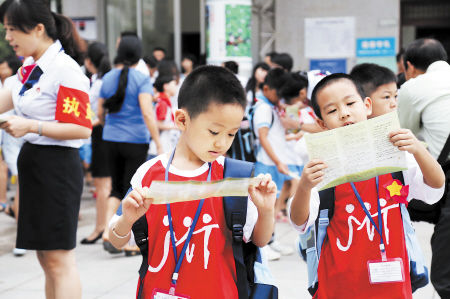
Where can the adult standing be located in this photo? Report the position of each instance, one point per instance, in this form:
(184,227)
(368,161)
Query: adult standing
(97,63)
(50,99)
(424,107)
(125,104)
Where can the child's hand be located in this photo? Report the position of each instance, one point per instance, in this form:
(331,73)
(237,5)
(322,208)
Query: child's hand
(282,168)
(405,140)
(135,205)
(264,194)
(312,173)
(297,136)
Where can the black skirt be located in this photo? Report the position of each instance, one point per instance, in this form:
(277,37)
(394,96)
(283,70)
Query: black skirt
(99,165)
(50,187)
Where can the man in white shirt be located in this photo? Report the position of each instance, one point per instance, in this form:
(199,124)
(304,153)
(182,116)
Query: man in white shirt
(424,108)
(424,99)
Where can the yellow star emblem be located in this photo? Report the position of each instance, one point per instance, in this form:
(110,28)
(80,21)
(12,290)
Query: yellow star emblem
(394,189)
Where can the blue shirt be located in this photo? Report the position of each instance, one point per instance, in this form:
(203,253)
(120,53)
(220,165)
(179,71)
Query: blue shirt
(128,124)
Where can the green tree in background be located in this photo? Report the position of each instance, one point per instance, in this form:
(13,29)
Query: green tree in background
(5,49)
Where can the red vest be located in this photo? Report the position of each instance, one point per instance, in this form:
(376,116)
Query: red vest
(352,241)
(208,269)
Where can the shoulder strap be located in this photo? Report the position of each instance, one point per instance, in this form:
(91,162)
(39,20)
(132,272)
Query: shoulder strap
(251,114)
(398,176)
(445,151)
(326,212)
(235,210)
(327,201)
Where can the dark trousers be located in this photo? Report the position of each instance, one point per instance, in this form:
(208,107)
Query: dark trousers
(124,159)
(440,247)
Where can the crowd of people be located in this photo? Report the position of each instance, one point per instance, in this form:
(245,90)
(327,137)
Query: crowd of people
(73,116)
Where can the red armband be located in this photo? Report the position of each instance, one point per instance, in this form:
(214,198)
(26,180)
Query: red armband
(73,106)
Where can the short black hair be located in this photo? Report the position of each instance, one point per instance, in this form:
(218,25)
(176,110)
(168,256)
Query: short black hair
(275,79)
(399,55)
(151,61)
(190,57)
(271,54)
(328,80)
(423,52)
(210,84)
(159,49)
(128,33)
(284,60)
(371,76)
(232,66)
(161,80)
(291,88)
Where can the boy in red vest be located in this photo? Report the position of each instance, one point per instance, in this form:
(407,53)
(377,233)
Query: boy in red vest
(354,250)
(212,103)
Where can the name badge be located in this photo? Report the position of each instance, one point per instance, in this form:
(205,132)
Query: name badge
(385,271)
(164,294)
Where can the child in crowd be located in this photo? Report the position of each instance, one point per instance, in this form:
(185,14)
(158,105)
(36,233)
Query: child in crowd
(272,156)
(166,87)
(343,266)
(152,66)
(212,103)
(379,84)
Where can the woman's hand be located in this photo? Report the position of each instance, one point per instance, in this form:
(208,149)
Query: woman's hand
(18,126)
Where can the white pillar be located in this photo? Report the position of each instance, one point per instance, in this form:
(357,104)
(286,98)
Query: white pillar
(139,18)
(202,28)
(177,31)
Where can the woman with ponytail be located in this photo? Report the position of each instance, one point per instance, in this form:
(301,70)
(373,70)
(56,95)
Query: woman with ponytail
(125,104)
(97,63)
(50,97)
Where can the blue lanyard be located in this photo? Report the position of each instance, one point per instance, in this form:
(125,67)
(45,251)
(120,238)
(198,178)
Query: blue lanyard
(379,228)
(179,260)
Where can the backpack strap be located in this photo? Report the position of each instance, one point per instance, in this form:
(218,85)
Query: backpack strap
(326,212)
(398,176)
(444,153)
(140,232)
(235,211)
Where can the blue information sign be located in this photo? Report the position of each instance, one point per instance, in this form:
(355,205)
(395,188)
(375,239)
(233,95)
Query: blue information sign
(375,46)
(331,65)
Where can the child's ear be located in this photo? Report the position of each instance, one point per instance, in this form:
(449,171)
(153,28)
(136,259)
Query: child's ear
(181,119)
(321,123)
(368,105)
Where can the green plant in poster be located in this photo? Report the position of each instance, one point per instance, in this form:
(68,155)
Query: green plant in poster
(238,30)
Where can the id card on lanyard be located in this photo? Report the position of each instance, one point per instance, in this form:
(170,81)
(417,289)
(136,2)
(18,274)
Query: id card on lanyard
(383,270)
(171,294)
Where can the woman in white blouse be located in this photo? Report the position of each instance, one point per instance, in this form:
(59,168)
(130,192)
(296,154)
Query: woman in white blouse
(51,101)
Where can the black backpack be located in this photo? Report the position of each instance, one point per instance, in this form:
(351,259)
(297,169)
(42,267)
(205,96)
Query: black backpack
(245,143)
(420,211)
(246,255)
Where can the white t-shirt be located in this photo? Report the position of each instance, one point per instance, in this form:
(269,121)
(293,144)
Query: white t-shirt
(262,117)
(39,102)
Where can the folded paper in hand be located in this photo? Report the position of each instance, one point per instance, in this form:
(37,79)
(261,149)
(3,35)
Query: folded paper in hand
(171,192)
(357,152)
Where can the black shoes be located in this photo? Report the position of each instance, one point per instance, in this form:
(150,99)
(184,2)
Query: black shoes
(110,248)
(87,241)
